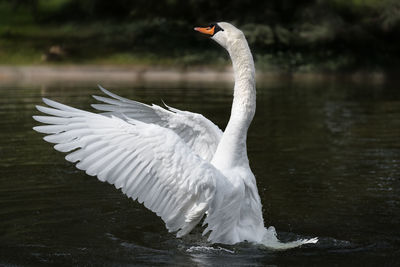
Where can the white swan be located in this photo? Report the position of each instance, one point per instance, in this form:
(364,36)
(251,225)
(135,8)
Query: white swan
(178,164)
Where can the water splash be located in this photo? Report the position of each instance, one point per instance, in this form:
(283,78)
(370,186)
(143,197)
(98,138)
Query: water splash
(208,249)
(271,241)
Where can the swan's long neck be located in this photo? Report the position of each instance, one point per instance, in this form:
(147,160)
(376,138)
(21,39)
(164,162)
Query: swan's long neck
(232,149)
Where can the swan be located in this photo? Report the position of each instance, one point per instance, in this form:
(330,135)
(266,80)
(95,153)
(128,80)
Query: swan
(177,163)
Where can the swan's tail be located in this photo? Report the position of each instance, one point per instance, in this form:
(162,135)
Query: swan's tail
(271,241)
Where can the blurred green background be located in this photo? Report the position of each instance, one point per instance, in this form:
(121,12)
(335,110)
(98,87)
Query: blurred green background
(285,35)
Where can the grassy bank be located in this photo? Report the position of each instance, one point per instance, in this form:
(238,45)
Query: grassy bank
(125,44)
(342,36)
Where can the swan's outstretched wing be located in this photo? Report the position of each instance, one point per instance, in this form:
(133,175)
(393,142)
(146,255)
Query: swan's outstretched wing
(199,133)
(148,162)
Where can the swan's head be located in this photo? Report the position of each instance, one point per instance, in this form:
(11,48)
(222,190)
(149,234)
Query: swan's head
(223,33)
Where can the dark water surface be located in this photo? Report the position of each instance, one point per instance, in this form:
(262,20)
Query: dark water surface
(326,157)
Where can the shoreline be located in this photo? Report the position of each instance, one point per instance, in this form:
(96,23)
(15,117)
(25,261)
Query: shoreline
(47,74)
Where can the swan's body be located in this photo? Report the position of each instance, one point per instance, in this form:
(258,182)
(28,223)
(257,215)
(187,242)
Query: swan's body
(178,164)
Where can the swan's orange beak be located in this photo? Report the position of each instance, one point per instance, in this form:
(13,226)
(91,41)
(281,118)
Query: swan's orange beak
(206,30)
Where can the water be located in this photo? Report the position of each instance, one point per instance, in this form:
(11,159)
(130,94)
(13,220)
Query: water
(326,156)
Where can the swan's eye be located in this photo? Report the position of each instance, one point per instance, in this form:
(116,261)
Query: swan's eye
(217,28)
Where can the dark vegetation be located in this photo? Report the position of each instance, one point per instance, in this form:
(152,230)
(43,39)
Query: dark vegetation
(288,35)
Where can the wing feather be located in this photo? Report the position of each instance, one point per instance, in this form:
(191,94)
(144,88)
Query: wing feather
(199,133)
(146,161)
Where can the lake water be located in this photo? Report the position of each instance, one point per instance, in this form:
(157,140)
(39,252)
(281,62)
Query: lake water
(326,156)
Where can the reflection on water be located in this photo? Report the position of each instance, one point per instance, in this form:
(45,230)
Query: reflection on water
(326,157)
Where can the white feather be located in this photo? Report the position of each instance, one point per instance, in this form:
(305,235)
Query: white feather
(198,132)
(178,163)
